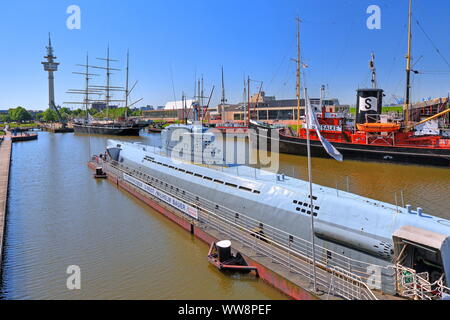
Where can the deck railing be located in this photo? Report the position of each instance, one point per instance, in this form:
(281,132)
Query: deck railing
(335,274)
(418,286)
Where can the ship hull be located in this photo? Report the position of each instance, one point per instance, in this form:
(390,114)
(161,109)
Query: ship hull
(362,152)
(107,130)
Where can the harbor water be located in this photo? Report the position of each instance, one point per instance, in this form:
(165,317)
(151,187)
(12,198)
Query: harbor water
(58,216)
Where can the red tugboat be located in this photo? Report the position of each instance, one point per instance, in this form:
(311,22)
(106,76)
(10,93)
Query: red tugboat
(418,137)
(378,137)
(388,141)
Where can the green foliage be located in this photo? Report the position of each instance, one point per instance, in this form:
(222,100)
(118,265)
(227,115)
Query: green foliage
(39,116)
(19,114)
(136,113)
(50,115)
(111,114)
(17,125)
(398,109)
(4,118)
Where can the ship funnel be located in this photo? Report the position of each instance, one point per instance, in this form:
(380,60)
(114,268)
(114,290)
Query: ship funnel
(368,104)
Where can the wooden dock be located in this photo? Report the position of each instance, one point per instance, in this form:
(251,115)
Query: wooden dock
(5,160)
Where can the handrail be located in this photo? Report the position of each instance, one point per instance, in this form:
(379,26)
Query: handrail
(417,285)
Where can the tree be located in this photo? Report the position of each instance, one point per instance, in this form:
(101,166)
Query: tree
(4,118)
(136,113)
(65,113)
(50,115)
(19,114)
(39,116)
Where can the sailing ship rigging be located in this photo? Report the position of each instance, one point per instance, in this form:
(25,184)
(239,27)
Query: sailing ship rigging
(123,126)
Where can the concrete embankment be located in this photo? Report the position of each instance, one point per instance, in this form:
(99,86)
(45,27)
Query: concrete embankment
(5,160)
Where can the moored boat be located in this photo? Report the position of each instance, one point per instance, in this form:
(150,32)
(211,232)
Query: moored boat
(371,135)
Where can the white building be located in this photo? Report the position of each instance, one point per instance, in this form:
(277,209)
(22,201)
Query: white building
(175,105)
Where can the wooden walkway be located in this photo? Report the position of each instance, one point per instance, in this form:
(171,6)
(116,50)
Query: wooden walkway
(5,160)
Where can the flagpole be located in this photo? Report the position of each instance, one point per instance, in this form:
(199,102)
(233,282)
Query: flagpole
(311,202)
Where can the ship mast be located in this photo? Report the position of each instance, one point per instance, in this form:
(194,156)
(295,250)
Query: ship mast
(248,102)
(408,69)
(108,88)
(126,85)
(87,90)
(86,94)
(223,101)
(298,74)
(244,103)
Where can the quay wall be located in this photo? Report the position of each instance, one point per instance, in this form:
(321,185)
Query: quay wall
(5,161)
(273,278)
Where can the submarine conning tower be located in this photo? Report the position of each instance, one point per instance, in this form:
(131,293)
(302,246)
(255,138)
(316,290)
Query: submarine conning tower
(368,102)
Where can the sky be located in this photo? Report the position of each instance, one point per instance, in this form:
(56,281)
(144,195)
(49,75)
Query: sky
(173,42)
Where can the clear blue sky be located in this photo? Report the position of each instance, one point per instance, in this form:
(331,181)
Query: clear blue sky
(178,39)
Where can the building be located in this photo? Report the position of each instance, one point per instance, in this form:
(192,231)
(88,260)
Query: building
(99,106)
(147,108)
(175,111)
(268,108)
(422,110)
(262,107)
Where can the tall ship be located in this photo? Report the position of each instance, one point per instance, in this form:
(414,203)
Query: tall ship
(419,136)
(190,168)
(123,126)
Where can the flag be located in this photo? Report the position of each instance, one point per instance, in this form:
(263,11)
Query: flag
(314,124)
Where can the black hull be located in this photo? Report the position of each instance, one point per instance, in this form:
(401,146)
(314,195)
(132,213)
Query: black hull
(390,154)
(107,130)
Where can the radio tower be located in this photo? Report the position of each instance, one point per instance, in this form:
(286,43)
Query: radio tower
(50,66)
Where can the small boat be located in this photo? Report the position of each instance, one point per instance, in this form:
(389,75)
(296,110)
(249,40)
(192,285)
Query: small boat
(378,127)
(23,137)
(221,257)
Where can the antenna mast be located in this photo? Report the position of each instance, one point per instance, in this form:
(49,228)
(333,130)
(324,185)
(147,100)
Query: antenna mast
(374,72)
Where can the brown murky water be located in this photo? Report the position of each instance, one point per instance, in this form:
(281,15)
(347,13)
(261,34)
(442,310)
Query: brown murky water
(59,216)
(420,186)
